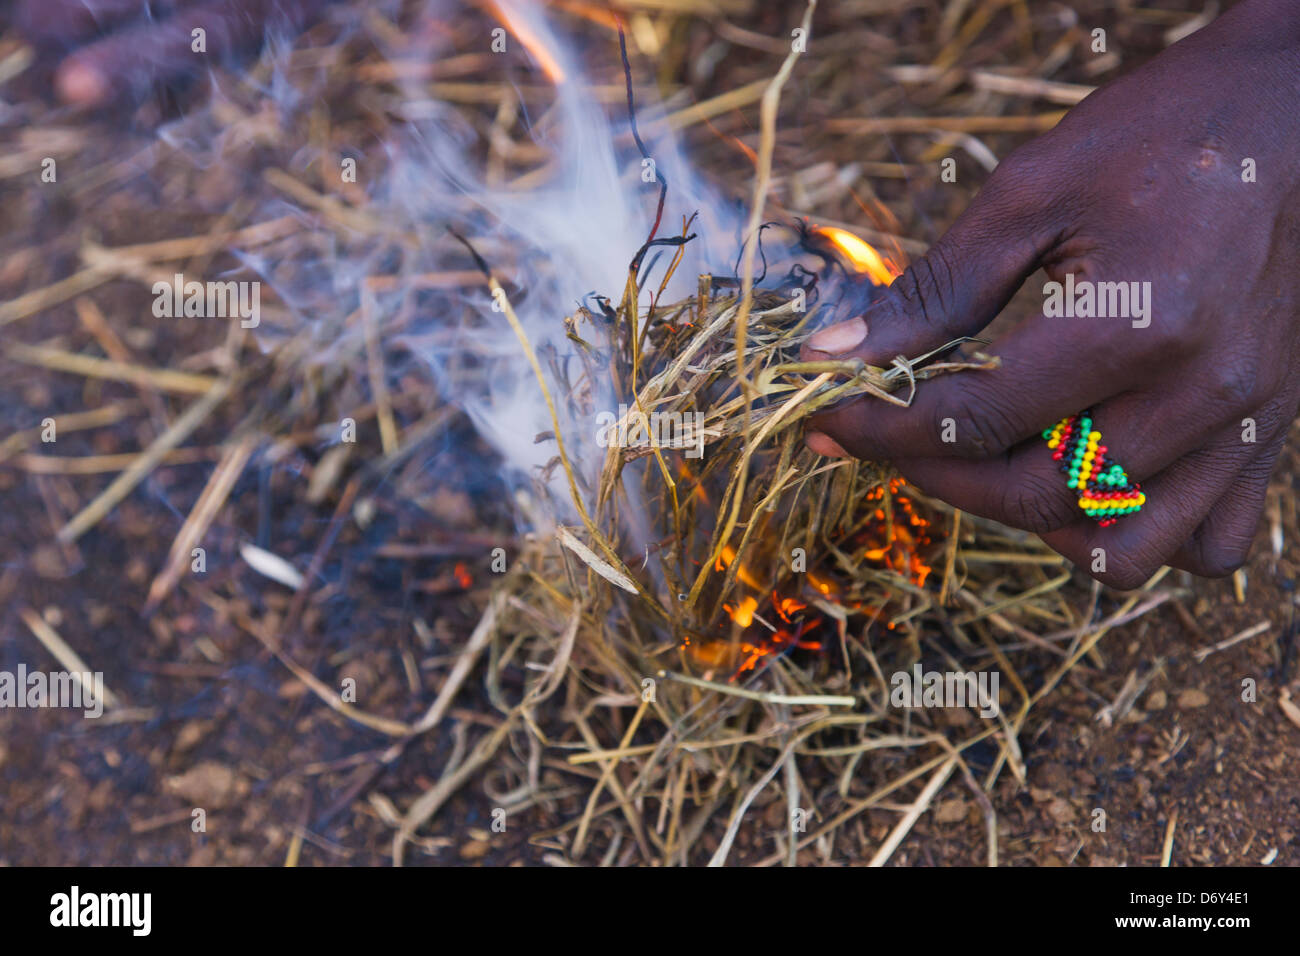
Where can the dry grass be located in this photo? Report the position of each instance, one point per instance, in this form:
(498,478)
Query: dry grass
(667,686)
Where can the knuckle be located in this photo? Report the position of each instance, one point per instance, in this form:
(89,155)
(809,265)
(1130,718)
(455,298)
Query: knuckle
(976,434)
(926,286)
(1217,550)
(1032,192)
(1271,421)
(1156,541)
(1037,168)
(1235,384)
(940,284)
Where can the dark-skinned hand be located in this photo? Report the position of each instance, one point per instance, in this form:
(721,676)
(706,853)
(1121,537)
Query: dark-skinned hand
(117,51)
(1145,180)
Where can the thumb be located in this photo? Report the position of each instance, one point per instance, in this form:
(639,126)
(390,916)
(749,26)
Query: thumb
(964,280)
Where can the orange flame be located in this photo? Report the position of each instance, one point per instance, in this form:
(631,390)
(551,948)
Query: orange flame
(595,14)
(786,606)
(888,534)
(861,255)
(894,539)
(531,42)
(724,561)
(744,613)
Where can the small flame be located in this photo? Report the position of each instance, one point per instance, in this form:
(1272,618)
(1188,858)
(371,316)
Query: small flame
(861,255)
(824,585)
(463,577)
(724,561)
(604,18)
(530,40)
(895,539)
(743,614)
(890,534)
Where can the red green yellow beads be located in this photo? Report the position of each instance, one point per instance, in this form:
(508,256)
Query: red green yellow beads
(1103,489)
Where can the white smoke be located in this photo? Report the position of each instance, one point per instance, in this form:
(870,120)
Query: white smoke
(574,232)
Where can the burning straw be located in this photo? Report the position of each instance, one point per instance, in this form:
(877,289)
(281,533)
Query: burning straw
(709,618)
(745,571)
(725,615)
(743,614)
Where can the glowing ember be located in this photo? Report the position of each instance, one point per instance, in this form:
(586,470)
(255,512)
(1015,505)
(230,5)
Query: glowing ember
(887,534)
(786,606)
(894,540)
(861,255)
(777,643)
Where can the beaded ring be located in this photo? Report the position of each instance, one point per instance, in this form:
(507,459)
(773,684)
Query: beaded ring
(1103,488)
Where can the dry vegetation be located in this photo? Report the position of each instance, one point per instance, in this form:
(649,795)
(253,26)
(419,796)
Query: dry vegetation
(527,691)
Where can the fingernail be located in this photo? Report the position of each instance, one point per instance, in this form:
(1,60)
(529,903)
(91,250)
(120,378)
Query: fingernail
(81,85)
(824,444)
(840,338)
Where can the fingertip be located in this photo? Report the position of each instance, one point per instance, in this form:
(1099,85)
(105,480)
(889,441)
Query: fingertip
(836,340)
(81,84)
(824,445)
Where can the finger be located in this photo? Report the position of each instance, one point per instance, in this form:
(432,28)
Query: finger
(1024,490)
(1223,541)
(1147,430)
(964,281)
(1024,487)
(1126,554)
(1042,378)
(1051,369)
(127,65)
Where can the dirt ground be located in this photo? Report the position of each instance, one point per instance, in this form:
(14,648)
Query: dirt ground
(212,719)
(237,735)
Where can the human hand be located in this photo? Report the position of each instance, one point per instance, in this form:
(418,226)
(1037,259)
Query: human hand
(1149,181)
